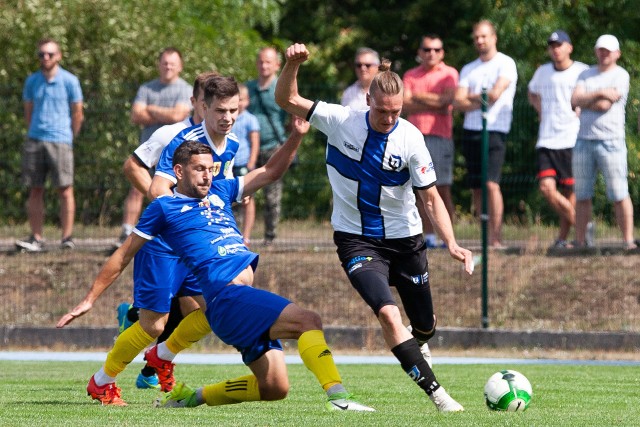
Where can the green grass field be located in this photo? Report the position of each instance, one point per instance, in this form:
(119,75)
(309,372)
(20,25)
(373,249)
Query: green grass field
(53,394)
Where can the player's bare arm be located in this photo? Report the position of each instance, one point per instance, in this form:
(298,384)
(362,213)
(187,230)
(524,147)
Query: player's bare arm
(160,186)
(437,212)
(110,271)
(137,174)
(279,162)
(286,92)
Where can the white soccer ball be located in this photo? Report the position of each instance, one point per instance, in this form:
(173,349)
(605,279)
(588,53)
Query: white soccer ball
(509,391)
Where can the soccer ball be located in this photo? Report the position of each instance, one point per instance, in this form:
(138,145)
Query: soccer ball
(508,391)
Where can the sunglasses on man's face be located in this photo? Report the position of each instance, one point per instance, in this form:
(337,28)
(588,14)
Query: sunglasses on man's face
(363,64)
(42,55)
(431,49)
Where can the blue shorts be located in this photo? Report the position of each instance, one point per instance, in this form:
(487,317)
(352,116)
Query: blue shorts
(610,158)
(157,279)
(241,316)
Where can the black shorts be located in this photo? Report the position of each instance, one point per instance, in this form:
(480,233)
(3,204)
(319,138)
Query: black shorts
(373,265)
(556,164)
(472,152)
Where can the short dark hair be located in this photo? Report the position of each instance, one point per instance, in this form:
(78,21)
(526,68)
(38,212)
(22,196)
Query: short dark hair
(198,84)
(170,49)
(220,87)
(188,149)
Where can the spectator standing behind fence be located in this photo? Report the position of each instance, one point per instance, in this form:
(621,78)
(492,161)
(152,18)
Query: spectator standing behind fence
(550,92)
(247,129)
(601,93)
(163,101)
(366,64)
(495,72)
(272,131)
(428,94)
(52,100)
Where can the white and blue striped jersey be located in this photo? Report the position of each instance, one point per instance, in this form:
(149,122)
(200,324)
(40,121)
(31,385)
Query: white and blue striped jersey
(372,174)
(202,232)
(222,157)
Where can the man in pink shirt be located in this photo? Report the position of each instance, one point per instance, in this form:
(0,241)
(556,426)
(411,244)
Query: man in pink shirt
(428,94)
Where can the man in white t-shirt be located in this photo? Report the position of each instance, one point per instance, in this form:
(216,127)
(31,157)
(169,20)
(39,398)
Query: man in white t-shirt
(550,92)
(495,72)
(366,64)
(601,92)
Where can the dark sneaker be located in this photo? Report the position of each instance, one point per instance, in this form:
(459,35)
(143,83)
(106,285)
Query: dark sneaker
(67,243)
(30,244)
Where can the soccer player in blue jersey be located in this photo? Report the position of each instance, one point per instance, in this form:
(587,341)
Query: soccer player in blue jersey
(197,221)
(378,166)
(158,273)
(137,169)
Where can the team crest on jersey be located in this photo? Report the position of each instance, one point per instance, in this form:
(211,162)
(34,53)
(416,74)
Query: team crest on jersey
(227,167)
(216,168)
(395,162)
(216,201)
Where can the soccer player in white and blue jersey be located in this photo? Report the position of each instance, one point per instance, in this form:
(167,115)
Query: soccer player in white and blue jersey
(199,224)
(376,162)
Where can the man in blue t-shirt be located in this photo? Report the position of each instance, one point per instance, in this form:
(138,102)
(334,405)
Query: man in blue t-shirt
(53,111)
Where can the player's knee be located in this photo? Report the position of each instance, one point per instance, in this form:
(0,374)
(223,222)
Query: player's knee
(274,390)
(389,316)
(310,320)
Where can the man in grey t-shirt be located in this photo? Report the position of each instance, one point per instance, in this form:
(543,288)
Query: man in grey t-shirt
(601,93)
(159,102)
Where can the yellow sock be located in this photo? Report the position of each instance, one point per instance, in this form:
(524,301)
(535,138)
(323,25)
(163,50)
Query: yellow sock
(243,389)
(127,346)
(191,329)
(317,357)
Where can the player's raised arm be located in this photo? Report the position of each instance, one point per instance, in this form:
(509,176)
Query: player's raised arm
(279,162)
(111,270)
(286,92)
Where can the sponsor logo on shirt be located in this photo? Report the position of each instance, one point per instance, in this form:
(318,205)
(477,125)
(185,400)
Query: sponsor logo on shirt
(350,146)
(424,169)
(227,167)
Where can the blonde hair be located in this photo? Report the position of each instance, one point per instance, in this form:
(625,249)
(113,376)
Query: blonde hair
(386,81)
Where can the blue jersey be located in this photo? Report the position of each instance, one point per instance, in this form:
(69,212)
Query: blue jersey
(222,160)
(222,157)
(203,233)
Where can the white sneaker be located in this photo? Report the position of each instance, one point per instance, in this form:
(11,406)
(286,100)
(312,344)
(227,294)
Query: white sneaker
(345,402)
(444,402)
(424,349)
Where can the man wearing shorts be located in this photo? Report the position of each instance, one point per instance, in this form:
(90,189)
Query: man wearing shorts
(428,94)
(601,93)
(495,72)
(550,92)
(197,221)
(53,111)
(378,166)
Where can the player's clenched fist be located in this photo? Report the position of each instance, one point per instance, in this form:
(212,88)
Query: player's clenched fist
(297,53)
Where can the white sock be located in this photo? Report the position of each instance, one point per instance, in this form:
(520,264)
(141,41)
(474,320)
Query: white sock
(164,353)
(101,378)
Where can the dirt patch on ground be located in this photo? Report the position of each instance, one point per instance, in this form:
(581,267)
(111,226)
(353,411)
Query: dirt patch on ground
(527,291)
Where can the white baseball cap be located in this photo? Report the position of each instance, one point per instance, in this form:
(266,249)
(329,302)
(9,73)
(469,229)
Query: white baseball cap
(609,42)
